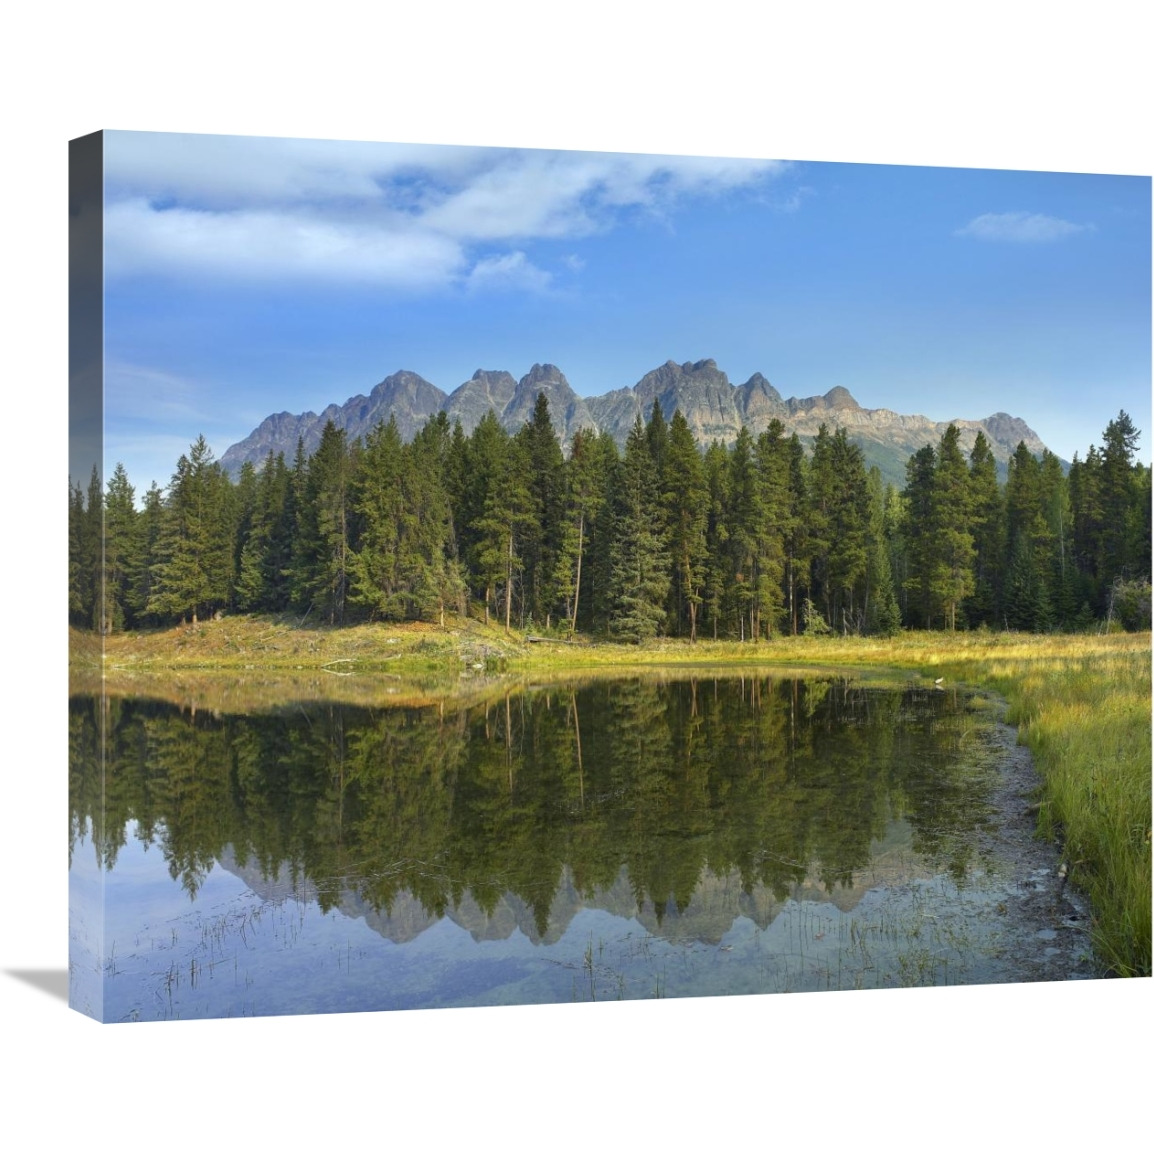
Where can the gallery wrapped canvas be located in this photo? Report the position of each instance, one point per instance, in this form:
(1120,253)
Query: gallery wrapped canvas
(504,576)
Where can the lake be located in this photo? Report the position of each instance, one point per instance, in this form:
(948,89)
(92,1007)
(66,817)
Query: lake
(696,833)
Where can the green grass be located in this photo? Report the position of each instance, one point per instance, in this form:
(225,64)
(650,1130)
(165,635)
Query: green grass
(1082,705)
(1085,715)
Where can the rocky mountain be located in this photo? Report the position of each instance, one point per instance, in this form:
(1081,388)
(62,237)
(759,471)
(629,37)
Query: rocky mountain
(407,396)
(715,409)
(483,391)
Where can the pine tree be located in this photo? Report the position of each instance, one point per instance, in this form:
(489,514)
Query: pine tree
(821,494)
(988,527)
(120,550)
(716,535)
(882,615)
(917,535)
(76,614)
(1053,545)
(744,519)
(1026,603)
(1085,488)
(541,536)
(686,501)
(193,571)
(92,554)
(848,530)
(795,532)
(436,580)
(321,559)
(149,529)
(597,573)
(1117,496)
(584,496)
(473,473)
(508,511)
(640,563)
(951,545)
(1028,538)
(773,471)
(375,566)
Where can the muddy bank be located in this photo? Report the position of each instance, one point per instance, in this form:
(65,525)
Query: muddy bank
(1046,918)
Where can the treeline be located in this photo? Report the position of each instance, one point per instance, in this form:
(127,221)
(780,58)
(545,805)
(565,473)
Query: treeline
(665,538)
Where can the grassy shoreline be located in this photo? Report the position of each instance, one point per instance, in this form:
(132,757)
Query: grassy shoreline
(1081,704)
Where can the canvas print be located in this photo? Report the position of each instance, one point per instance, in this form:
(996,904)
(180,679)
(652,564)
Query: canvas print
(504,576)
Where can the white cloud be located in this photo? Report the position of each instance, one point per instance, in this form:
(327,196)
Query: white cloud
(1021,227)
(511,271)
(560,194)
(405,216)
(267,244)
(233,171)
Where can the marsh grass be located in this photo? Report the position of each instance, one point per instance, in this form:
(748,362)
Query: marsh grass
(1084,711)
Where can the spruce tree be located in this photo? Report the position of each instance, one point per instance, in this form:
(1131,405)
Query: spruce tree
(92,554)
(745,517)
(821,496)
(322,555)
(882,615)
(795,532)
(917,535)
(716,568)
(1117,496)
(149,527)
(541,536)
(848,531)
(584,496)
(120,550)
(686,501)
(988,527)
(376,565)
(509,510)
(193,572)
(951,545)
(437,582)
(640,562)
(76,614)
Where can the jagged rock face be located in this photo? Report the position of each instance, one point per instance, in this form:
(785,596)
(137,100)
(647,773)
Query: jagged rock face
(708,402)
(567,410)
(714,408)
(406,396)
(483,391)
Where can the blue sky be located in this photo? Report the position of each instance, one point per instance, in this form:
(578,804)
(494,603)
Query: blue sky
(246,276)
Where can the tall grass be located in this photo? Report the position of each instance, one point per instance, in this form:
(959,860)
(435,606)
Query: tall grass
(1083,708)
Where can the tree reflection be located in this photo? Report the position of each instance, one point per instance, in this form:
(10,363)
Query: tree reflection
(775,782)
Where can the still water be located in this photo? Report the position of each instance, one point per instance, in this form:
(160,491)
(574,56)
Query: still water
(634,838)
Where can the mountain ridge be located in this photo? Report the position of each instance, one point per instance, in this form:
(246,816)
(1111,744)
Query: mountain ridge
(714,408)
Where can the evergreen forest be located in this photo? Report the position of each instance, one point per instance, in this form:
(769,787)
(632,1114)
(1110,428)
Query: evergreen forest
(665,538)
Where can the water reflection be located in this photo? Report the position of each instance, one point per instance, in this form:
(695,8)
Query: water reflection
(669,813)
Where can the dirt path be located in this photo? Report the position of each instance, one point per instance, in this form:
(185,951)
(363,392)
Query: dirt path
(1050,939)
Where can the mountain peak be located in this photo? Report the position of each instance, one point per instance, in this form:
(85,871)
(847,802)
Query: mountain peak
(544,374)
(714,408)
(839,398)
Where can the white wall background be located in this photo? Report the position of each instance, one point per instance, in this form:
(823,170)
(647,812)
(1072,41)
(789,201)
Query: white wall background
(1009,84)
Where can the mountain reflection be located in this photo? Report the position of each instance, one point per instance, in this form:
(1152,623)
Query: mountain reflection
(663,800)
